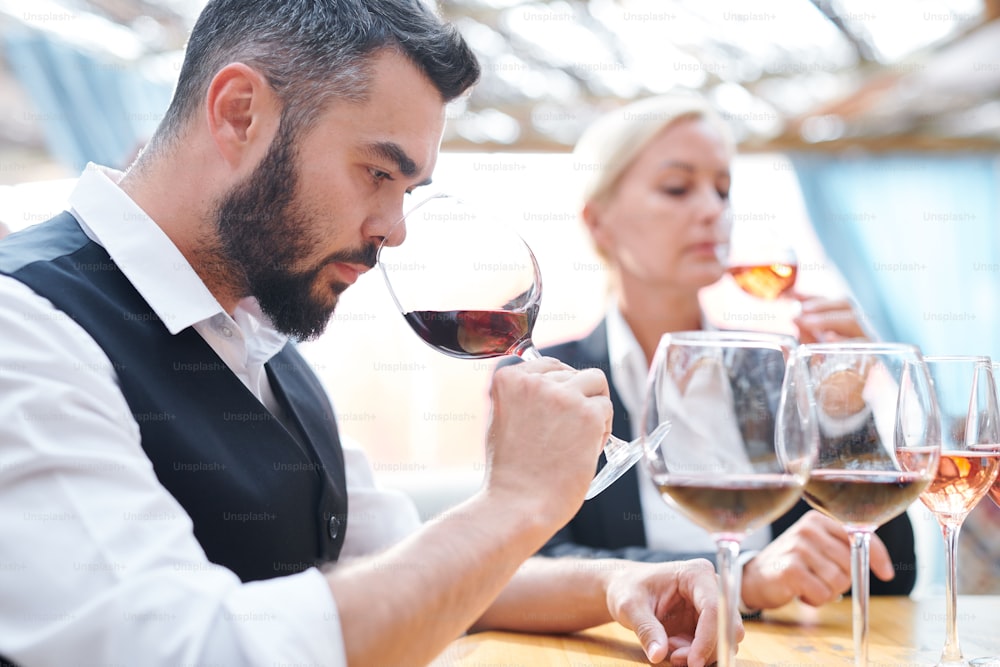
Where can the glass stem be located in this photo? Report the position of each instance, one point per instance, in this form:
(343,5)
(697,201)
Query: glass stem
(729,585)
(860,549)
(952,651)
(526,350)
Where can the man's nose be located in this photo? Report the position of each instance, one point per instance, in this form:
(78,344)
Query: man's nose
(387,225)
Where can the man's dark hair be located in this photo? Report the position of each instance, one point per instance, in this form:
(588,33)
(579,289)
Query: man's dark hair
(313,51)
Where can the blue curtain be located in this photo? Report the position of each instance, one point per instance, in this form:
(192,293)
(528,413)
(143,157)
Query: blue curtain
(917,237)
(91,107)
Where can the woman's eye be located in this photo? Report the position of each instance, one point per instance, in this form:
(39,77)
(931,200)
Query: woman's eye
(675,192)
(724,195)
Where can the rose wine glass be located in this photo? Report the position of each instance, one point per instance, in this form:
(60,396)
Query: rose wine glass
(470,287)
(738,453)
(970,434)
(762,266)
(994,494)
(878,449)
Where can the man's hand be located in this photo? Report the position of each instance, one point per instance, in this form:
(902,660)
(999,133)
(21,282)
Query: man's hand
(548,426)
(827,320)
(671,607)
(810,561)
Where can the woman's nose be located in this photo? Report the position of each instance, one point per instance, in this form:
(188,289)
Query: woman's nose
(713,208)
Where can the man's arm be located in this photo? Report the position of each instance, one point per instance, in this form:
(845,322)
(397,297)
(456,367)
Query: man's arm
(99,559)
(548,425)
(562,545)
(672,607)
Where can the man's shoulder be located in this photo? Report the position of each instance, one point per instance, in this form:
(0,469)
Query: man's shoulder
(45,241)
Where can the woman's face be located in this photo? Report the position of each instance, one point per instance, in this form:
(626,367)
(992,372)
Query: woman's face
(664,219)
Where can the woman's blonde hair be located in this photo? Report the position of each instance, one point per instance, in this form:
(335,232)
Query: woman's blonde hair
(610,144)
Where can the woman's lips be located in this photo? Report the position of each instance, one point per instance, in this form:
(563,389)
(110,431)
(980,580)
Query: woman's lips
(708,250)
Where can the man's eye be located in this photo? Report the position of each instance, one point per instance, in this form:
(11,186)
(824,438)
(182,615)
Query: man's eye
(378,175)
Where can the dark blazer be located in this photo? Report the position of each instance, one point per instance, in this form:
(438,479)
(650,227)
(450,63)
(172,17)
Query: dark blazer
(611,524)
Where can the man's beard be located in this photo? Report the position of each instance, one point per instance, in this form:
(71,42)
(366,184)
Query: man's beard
(263,234)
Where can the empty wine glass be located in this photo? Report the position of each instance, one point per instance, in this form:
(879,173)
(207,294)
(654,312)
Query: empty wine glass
(739,450)
(970,433)
(879,443)
(470,287)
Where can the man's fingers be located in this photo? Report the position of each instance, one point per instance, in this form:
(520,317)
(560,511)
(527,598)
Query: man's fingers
(648,629)
(706,602)
(540,365)
(816,591)
(591,381)
(881,561)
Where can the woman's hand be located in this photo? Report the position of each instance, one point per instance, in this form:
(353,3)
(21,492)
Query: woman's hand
(825,320)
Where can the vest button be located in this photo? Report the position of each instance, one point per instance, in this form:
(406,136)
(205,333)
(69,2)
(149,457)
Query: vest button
(333,527)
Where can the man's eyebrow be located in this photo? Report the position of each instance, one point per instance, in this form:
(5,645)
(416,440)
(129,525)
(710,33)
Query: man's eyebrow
(388,150)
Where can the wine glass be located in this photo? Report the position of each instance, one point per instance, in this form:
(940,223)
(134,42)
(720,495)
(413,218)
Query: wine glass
(763,265)
(878,448)
(470,287)
(970,433)
(738,453)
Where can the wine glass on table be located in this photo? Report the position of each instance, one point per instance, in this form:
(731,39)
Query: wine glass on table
(470,287)
(739,450)
(878,445)
(994,494)
(970,434)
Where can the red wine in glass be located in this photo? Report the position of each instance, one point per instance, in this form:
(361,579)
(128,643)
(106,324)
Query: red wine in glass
(863,497)
(738,454)
(473,334)
(878,445)
(470,287)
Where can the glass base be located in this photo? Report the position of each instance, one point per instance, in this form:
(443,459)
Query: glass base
(612,470)
(620,456)
(993,661)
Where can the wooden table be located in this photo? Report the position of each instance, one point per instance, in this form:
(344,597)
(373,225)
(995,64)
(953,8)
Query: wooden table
(903,633)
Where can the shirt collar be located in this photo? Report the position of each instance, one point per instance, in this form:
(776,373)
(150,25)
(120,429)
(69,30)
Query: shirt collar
(152,263)
(628,368)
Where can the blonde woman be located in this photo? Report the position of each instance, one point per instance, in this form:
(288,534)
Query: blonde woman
(657,179)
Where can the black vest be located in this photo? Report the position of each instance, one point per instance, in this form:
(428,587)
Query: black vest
(264,502)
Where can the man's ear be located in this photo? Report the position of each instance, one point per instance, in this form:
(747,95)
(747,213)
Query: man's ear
(243,113)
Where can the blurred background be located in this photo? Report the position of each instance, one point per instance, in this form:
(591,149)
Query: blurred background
(868,134)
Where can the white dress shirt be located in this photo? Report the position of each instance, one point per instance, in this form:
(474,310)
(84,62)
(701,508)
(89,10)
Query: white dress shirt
(98,562)
(666,529)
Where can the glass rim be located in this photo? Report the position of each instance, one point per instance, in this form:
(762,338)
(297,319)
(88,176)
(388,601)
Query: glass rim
(847,347)
(977,358)
(725,336)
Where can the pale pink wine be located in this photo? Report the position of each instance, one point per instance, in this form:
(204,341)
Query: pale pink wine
(765,281)
(963,478)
